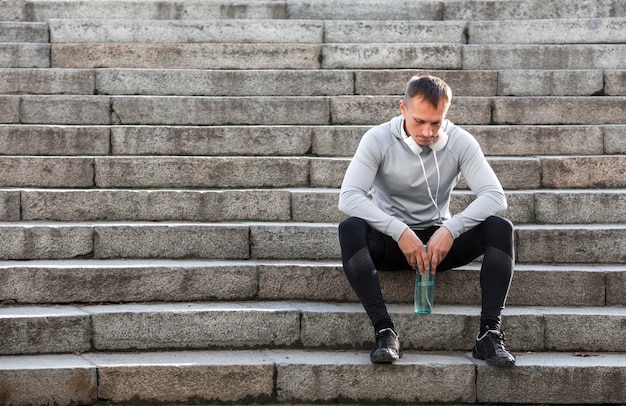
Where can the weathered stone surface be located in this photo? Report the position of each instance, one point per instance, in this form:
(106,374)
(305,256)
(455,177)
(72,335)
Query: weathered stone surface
(584,172)
(186,56)
(570,244)
(391,56)
(616,286)
(141,205)
(615,139)
(367,10)
(194,172)
(317,206)
(220,110)
(213,140)
(586,329)
(615,82)
(9,205)
(13,10)
(293,241)
(195,82)
(559,110)
(47,81)
(47,379)
(54,140)
(34,330)
(555,378)
(171,240)
(463,83)
(24,55)
(549,31)
(514,173)
(580,207)
(184,376)
(337,140)
(320,377)
(41,241)
(447,32)
(65,110)
(46,171)
(126,281)
(550,82)
(185,32)
(22,31)
(328,172)
(204,325)
(512,56)
(9,109)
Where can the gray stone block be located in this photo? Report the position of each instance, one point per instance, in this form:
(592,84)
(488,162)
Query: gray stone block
(24,55)
(293,241)
(220,110)
(524,140)
(378,109)
(212,325)
(34,330)
(185,32)
(328,172)
(316,206)
(194,172)
(555,378)
(586,329)
(194,82)
(9,109)
(325,377)
(184,376)
(559,110)
(548,31)
(616,286)
(54,140)
(364,10)
(10,205)
(615,139)
(512,56)
(391,56)
(447,32)
(339,141)
(40,241)
(550,82)
(141,205)
(580,207)
(22,31)
(48,379)
(515,173)
(47,81)
(13,10)
(583,172)
(615,82)
(65,110)
(126,281)
(171,240)
(213,140)
(186,56)
(46,171)
(463,83)
(571,244)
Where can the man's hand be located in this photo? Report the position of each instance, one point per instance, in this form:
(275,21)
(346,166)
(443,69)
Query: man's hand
(438,247)
(413,249)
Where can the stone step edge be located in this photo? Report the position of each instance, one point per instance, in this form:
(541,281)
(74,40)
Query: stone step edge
(313,376)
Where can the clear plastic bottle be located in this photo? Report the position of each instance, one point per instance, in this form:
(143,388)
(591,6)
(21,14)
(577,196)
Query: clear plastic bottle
(424,290)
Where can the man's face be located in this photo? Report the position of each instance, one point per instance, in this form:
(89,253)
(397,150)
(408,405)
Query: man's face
(422,120)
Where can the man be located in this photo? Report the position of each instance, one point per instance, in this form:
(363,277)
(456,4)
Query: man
(397,191)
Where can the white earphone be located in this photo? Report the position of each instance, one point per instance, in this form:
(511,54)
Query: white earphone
(437,145)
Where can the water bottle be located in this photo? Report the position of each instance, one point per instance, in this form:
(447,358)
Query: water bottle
(424,290)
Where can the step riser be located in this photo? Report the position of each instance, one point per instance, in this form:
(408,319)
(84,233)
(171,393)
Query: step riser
(121,283)
(24,55)
(22,32)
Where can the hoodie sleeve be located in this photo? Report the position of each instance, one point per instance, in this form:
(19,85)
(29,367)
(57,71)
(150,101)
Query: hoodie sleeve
(481,179)
(357,182)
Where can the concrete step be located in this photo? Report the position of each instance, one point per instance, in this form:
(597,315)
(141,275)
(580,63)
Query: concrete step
(315,82)
(16,55)
(310,110)
(297,376)
(126,281)
(300,205)
(42,10)
(236,325)
(23,32)
(543,244)
(561,31)
(323,141)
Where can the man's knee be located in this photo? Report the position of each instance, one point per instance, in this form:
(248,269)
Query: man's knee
(352,227)
(499,225)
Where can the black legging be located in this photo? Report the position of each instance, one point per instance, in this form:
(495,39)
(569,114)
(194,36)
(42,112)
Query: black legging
(365,250)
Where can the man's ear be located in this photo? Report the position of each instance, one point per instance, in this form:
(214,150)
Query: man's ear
(402,107)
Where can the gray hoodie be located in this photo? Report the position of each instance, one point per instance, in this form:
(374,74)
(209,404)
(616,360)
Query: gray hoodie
(385,168)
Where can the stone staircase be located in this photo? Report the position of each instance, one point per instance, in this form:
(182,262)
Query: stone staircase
(169,183)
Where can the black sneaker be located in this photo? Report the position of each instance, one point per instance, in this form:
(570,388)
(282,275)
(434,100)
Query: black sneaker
(387,349)
(490,347)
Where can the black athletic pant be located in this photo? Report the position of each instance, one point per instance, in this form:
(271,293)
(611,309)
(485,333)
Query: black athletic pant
(365,250)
